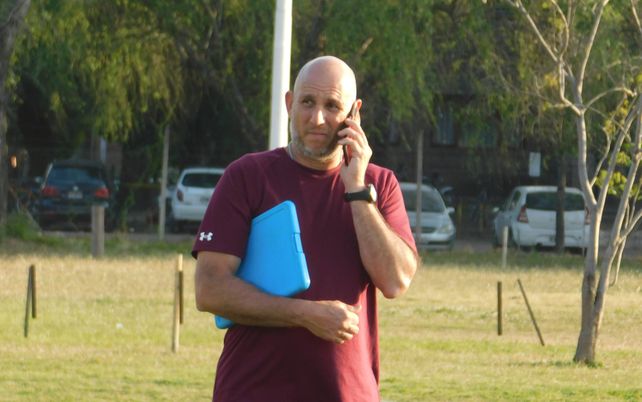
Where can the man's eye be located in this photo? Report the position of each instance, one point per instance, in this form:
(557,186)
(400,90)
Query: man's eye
(307,102)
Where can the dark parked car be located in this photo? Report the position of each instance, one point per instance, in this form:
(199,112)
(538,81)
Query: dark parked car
(68,191)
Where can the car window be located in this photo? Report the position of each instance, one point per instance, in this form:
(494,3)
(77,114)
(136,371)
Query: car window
(74,174)
(514,200)
(201,180)
(431,201)
(547,201)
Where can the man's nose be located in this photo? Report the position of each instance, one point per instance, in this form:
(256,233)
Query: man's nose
(318,117)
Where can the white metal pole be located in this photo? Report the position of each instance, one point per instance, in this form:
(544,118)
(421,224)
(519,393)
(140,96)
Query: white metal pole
(163,190)
(280,73)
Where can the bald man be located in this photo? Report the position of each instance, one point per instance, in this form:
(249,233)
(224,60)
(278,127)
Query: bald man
(321,345)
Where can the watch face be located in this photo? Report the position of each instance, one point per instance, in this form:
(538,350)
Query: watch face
(373,193)
(368,194)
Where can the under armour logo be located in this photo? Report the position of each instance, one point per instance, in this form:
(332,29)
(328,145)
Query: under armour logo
(206,236)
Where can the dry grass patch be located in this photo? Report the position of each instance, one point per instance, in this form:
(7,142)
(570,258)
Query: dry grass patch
(103,333)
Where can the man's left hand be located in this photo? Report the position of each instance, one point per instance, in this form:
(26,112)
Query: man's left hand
(353,136)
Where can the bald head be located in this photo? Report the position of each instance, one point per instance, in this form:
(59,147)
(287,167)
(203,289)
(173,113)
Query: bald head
(326,69)
(324,92)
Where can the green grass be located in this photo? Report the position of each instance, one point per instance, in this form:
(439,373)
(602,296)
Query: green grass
(23,236)
(103,332)
(439,342)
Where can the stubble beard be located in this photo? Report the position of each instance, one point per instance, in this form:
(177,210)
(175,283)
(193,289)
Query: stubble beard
(322,155)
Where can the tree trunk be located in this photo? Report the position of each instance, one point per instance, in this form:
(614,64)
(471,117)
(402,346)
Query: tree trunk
(8,31)
(585,352)
(559,213)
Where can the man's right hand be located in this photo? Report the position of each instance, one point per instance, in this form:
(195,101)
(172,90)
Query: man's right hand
(333,321)
(219,291)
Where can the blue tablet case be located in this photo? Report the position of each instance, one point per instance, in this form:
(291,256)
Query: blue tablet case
(274,261)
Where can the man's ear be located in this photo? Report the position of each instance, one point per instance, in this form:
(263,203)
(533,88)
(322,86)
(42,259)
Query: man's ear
(357,115)
(289,97)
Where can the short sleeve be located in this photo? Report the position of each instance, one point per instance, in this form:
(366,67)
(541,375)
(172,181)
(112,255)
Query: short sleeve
(392,208)
(226,223)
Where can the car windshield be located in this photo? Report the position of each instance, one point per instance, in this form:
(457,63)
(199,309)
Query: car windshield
(201,180)
(431,201)
(547,201)
(74,174)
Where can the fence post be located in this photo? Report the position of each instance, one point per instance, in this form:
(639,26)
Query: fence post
(181,302)
(177,303)
(97,230)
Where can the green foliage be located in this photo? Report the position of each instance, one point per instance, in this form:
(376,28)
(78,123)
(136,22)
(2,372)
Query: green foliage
(122,69)
(617,183)
(392,68)
(23,236)
(21,227)
(388,44)
(98,68)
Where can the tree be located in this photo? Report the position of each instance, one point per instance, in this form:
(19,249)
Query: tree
(598,79)
(479,65)
(12,15)
(98,69)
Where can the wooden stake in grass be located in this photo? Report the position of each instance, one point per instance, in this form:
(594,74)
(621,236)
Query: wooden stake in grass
(181,303)
(178,294)
(97,230)
(30,304)
(530,311)
(499,308)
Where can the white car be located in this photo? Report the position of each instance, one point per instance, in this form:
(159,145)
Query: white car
(437,228)
(529,213)
(193,191)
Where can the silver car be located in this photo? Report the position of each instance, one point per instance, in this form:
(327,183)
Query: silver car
(193,191)
(529,213)
(437,228)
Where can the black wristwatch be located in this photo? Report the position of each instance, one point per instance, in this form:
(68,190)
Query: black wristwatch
(368,194)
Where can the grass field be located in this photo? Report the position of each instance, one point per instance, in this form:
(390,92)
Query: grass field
(103,332)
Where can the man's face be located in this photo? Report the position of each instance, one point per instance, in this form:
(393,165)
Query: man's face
(318,107)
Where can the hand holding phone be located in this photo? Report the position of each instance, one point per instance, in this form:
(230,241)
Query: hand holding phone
(347,153)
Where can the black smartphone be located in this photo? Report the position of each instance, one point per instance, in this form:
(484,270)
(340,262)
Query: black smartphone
(346,151)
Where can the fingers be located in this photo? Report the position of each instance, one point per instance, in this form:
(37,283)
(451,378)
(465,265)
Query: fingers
(355,139)
(350,325)
(346,333)
(335,321)
(343,337)
(353,134)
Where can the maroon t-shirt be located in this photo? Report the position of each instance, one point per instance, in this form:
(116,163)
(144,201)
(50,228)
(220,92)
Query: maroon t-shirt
(291,364)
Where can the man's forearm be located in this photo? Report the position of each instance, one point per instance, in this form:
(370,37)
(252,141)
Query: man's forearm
(390,262)
(237,300)
(220,292)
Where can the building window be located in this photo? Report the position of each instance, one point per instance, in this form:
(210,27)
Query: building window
(444,133)
(477,137)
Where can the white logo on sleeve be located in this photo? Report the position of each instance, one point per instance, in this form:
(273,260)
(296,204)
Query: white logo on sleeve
(206,236)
